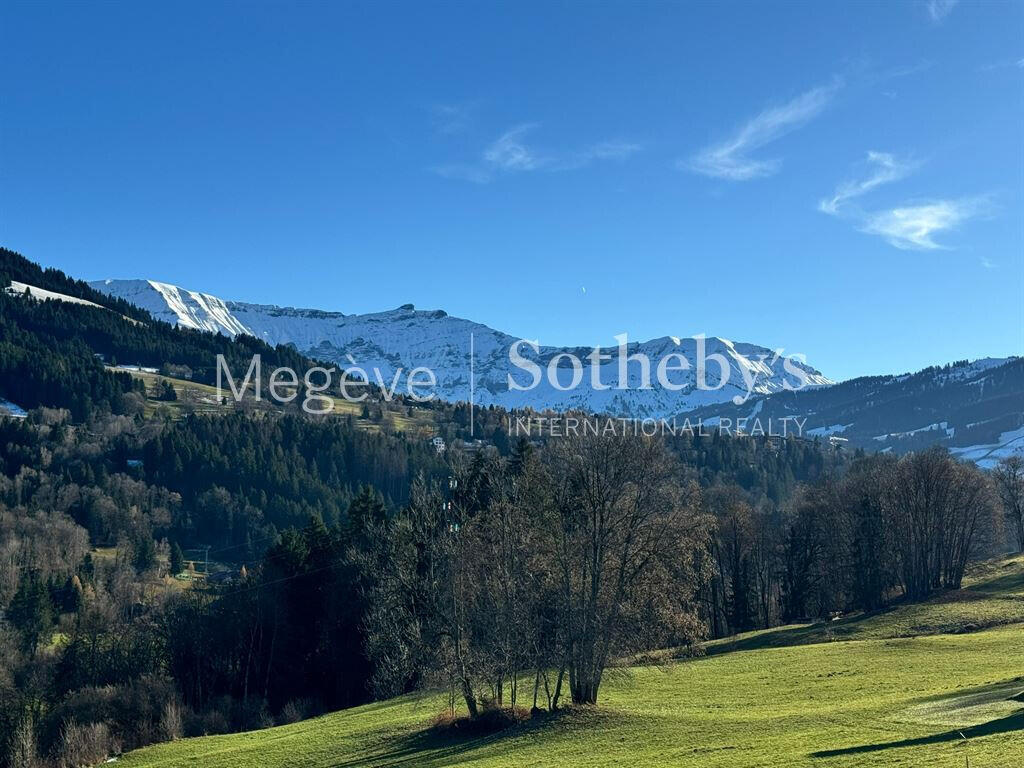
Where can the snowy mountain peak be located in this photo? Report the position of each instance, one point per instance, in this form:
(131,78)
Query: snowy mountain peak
(405,338)
(175,305)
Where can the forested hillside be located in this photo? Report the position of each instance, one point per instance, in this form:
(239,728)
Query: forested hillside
(14,266)
(958,406)
(54,351)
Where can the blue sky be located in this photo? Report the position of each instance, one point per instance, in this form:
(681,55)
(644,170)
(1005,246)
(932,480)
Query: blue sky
(840,180)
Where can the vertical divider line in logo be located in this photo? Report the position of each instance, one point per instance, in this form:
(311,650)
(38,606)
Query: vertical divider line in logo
(472,383)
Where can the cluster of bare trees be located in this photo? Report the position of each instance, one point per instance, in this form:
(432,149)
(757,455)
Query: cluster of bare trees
(549,564)
(556,561)
(886,528)
(942,513)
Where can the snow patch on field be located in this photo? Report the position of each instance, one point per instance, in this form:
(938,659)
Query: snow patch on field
(940,426)
(835,429)
(18,289)
(7,408)
(987,456)
(41,294)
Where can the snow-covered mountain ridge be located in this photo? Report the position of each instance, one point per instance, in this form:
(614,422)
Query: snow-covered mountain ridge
(975,409)
(405,338)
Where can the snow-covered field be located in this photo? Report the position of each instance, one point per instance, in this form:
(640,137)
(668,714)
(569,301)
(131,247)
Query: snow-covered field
(987,456)
(41,294)
(835,429)
(7,408)
(18,289)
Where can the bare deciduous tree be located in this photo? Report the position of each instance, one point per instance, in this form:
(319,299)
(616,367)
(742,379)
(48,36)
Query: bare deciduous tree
(626,543)
(1009,478)
(941,513)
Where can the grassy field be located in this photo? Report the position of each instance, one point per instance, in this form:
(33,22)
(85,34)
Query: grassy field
(202,398)
(863,693)
(992,596)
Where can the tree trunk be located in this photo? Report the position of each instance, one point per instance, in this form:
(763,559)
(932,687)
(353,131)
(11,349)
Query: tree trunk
(558,689)
(469,696)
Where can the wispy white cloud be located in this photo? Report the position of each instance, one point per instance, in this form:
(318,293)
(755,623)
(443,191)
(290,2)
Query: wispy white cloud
(617,151)
(912,227)
(513,153)
(903,70)
(730,159)
(940,9)
(510,152)
(1004,64)
(888,77)
(451,119)
(886,168)
(473,173)
(609,150)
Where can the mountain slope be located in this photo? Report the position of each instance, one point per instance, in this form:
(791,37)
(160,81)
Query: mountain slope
(17,288)
(397,341)
(174,305)
(975,409)
(57,333)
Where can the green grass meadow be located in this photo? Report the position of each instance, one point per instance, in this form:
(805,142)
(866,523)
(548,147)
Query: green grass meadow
(935,684)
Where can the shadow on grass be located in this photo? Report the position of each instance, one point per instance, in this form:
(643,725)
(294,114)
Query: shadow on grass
(423,748)
(1014,722)
(852,627)
(1005,583)
(443,747)
(979,695)
(802,634)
